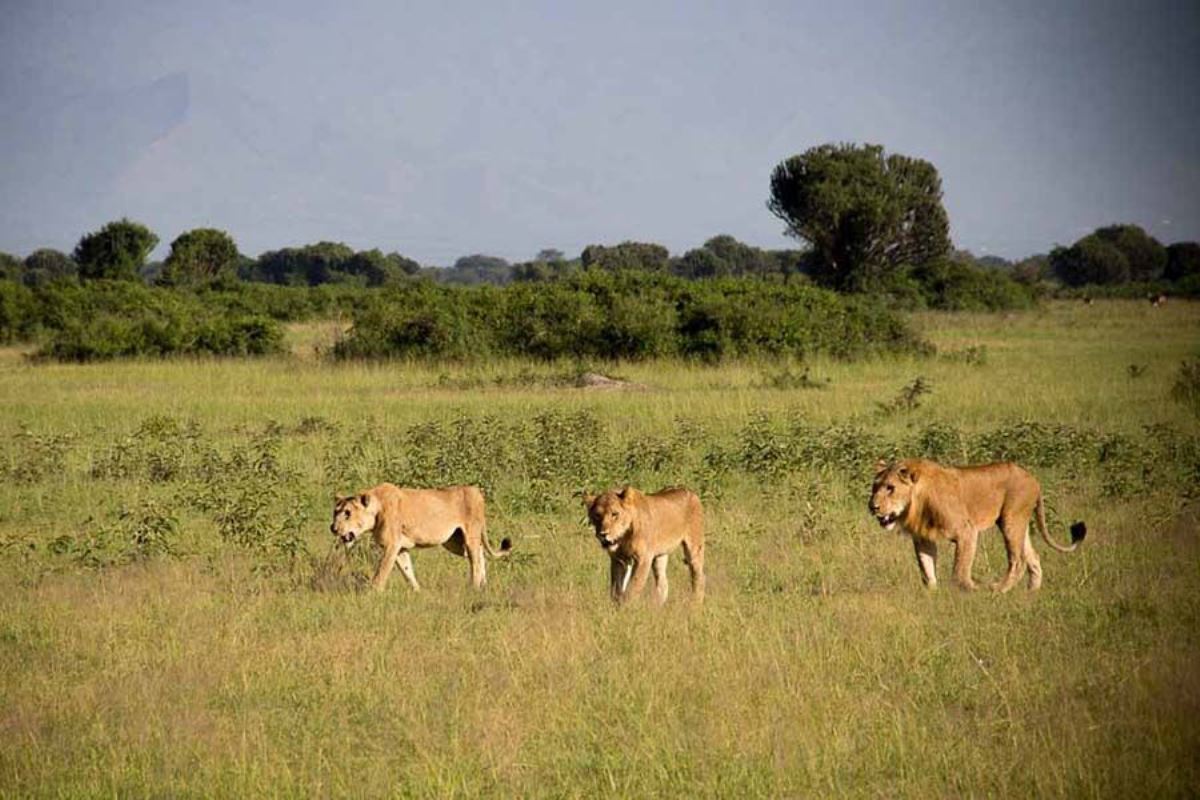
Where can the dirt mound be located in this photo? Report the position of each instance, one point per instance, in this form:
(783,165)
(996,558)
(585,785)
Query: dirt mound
(594,380)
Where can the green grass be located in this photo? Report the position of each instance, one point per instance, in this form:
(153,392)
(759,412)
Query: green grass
(818,666)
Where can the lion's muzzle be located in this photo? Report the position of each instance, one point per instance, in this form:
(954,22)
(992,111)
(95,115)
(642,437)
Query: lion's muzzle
(887,521)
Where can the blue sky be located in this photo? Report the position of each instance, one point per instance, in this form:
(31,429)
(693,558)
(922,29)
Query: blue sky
(442,129)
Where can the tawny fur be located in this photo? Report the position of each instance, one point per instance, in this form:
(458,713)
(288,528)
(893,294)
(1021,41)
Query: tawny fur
(401,520)
(639,531)
(934,503)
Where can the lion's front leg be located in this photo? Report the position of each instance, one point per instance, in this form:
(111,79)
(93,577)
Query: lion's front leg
(390,551)
(404,562)
(619,572)
(964,558)
(641,574)
(926,551)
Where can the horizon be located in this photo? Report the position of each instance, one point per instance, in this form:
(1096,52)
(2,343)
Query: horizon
(511,129)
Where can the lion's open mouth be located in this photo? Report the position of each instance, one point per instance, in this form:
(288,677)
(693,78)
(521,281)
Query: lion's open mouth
(348,538)
(887,521)
(605,542)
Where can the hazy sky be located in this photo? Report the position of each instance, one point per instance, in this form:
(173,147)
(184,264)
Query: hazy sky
(441,129)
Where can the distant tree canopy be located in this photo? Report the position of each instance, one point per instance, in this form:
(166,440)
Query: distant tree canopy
(1110,255)
(1183,261)
(10,267)
(548,265)
(48,265)
(200,255)
(329,262)
(724,256)
(637,256)
(865,214)
(115,252)
(477,268)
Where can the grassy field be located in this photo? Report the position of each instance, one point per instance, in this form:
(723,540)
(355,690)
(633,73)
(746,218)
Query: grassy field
(172,622)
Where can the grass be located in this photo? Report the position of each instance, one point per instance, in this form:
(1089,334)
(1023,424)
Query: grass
(217,665)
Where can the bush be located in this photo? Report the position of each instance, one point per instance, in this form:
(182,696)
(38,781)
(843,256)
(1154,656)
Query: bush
(623,316)
(108,319)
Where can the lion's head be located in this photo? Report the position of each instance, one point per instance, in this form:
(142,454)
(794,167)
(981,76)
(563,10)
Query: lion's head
(611,514)
(353,516)
(891,492)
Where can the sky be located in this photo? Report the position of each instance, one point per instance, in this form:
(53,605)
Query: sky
(441,129)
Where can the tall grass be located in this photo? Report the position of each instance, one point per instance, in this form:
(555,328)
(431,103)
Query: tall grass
(150,645)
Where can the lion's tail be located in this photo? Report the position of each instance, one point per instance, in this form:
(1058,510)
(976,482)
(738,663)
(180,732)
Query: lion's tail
(1078,530)
(506,546)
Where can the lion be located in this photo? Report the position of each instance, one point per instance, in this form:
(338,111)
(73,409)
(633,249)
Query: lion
(640,530)
(933,503)
(402,519)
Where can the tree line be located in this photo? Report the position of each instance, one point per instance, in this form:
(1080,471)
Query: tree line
(871,224)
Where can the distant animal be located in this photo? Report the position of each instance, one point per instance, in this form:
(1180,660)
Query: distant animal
(638,531)
(1158,301)
(400,520)
(933,504)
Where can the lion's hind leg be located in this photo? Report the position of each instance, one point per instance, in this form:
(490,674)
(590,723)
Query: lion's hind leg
(1034,563)
(1016,537)
(693,556)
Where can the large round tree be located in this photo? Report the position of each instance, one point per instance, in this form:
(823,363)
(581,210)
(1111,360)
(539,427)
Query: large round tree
(865,213)
(198,256)
(116,252)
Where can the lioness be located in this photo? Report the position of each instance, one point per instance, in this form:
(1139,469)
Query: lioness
(401,519)
(640,530)
(933,503)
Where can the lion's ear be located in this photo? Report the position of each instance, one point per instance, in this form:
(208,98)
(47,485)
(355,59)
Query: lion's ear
(338,499)
(907,474)
(881,465)
(588,499)
(628,493)
(365,500)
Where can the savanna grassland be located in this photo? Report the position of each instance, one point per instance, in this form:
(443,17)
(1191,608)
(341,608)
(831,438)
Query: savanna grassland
(173,621)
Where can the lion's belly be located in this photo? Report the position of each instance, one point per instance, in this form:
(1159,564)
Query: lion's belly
(428,534)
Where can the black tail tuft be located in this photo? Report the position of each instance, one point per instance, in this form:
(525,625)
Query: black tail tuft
(505,544)
(1078,532)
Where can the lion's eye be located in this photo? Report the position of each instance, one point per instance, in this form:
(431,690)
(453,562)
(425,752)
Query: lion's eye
(346,514)
(613,515)
(891,488)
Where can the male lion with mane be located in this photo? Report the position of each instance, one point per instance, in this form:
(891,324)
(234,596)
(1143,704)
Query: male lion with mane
(403,519)
(933,503)
(640,530)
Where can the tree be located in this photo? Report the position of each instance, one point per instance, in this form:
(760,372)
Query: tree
(638,256)
(1090,260)
(312,265)
(10,267)
(380,270)
(865,214)
(1030,270)
(1110,255)
(200,255)
(1183,261)
(701,263)
(478,268)
(724,255)
(48,265)
(1145,255)
(115,252)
